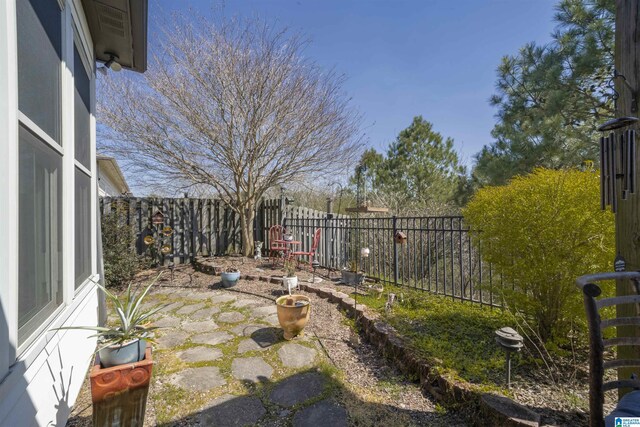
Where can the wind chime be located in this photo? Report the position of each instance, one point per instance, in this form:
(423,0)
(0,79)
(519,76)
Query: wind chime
(617,161)
(617,155)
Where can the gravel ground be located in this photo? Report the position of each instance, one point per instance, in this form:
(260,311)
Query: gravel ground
(373,392)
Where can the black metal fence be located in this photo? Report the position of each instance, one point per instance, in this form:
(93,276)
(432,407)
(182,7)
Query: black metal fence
(438,255)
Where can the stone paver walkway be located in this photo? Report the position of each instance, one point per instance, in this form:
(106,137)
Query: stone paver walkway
(221,360)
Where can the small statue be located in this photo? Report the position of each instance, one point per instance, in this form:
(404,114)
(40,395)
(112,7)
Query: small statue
(258,252)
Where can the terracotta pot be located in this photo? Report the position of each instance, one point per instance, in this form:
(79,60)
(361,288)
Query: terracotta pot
(108,382)
(293,314)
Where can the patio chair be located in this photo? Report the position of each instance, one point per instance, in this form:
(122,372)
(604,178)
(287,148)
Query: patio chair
(276,250)
(312,252)
(629,405)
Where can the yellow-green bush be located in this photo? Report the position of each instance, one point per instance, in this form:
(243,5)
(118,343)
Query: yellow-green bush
(541,232)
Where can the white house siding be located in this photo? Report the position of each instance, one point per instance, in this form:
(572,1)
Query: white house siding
(106,186)
(111,181)
(43,393)
(40,377)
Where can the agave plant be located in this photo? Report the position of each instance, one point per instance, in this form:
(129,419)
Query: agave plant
(133,322)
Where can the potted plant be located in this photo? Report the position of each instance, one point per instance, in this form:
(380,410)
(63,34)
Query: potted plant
(290,280)
(124,362)
(350,274)
(230,277)
(125,341)
(293,314)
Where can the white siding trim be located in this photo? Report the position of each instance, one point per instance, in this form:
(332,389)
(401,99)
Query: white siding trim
(9,187)
(83,33)
(93,164)
(68,130)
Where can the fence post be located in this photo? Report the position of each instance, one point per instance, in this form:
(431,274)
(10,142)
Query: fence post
(395,250)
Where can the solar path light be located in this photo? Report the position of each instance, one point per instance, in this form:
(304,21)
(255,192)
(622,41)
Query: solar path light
(510,341)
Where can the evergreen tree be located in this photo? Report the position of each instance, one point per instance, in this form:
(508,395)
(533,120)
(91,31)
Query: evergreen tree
(551,99)
(421,167)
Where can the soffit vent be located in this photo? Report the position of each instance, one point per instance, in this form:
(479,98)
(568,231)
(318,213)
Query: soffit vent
(112,20)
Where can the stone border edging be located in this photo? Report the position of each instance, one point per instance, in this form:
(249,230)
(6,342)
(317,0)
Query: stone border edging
(493,410)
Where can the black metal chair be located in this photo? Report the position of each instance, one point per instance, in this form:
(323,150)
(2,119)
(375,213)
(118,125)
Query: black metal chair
(597,365)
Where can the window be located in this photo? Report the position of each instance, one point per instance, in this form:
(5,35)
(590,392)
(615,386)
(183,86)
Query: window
(82,110)
(82,144)
(40,231)
(40,178)
(83,227)
(39,64)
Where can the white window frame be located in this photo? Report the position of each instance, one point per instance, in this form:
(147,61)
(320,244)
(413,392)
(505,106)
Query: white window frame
(15,361)
(74,31)
(80,41)
(60,148)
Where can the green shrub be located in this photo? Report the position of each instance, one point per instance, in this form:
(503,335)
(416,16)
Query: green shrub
(121,261)
(541,232)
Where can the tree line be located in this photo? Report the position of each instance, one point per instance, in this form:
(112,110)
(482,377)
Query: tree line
(549,99)
(233,107)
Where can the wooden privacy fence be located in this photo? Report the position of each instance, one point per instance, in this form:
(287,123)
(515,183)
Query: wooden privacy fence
(198,226)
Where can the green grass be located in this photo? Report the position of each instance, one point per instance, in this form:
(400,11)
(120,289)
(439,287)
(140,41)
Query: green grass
(457,337)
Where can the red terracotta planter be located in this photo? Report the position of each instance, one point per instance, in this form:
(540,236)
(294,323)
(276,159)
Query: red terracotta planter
(119,393)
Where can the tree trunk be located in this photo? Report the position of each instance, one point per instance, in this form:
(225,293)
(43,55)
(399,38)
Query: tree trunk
(627,62)
(247,215)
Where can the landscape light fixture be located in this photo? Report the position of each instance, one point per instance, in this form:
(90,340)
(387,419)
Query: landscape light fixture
(315,264)
(112,63)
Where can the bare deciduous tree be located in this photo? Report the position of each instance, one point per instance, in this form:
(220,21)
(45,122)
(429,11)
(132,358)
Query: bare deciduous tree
(231,106)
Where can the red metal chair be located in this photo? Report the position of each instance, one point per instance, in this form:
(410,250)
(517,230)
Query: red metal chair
(312,252)
(277,249)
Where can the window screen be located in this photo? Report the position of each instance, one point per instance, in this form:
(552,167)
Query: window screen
(40,233)
(82,227)
(82,111)
(39,63)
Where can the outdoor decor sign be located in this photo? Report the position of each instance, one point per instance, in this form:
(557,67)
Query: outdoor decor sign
(627,422)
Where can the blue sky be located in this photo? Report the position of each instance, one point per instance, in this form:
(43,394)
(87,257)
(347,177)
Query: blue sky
(435,58)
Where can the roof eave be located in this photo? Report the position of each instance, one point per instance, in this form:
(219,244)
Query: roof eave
(119,27)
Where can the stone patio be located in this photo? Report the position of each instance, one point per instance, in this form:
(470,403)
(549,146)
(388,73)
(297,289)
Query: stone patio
(220,361)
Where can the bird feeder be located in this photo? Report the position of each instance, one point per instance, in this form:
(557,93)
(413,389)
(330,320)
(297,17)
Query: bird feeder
(165,249)
(167,231)
(157,218)
(149,240)
(400,237)
(510,341)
